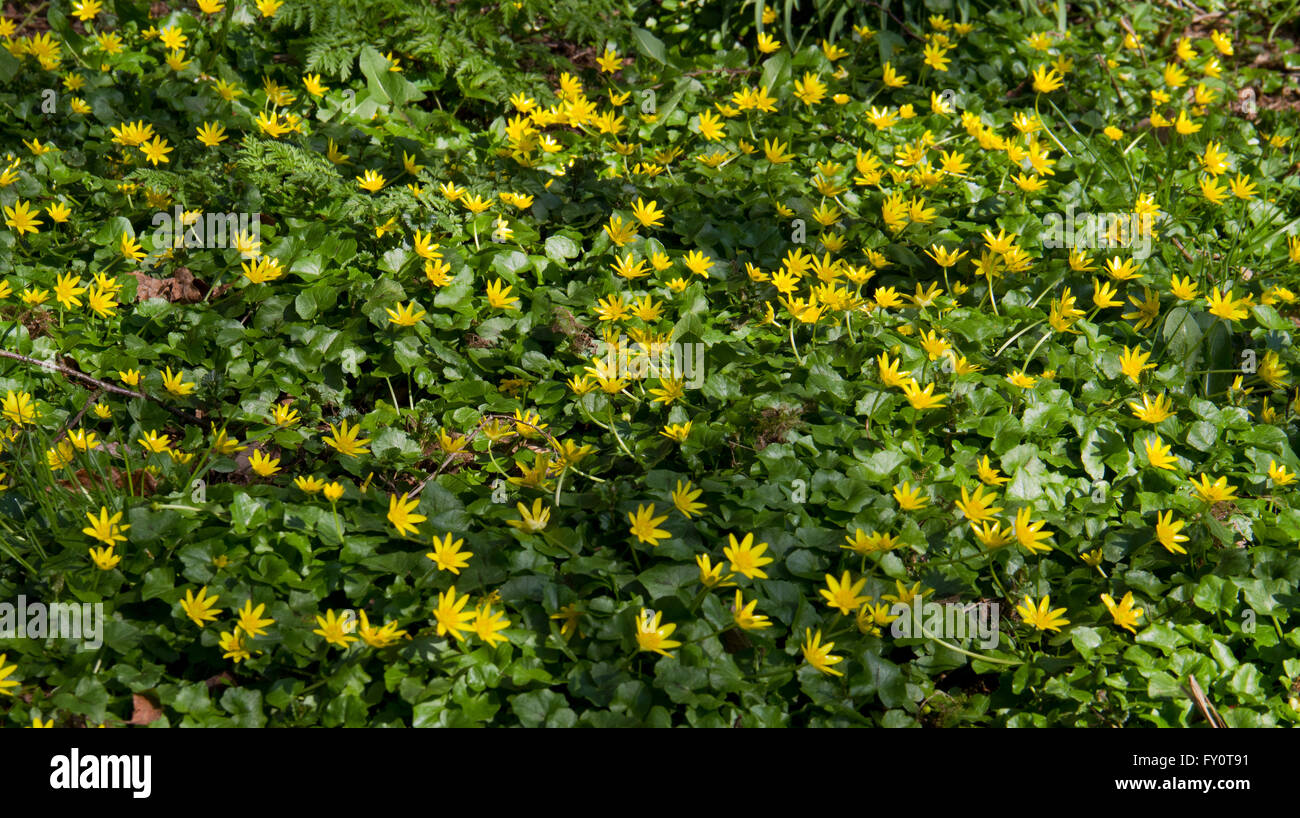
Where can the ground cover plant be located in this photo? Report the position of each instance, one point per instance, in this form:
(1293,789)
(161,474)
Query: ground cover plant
(388,364)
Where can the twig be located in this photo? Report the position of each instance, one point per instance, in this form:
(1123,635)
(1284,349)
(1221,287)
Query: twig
(901,24)
(1179,245)
(102,385)
(63,430)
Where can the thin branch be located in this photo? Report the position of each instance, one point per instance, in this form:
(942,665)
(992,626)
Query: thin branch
(102,385)
(63,430)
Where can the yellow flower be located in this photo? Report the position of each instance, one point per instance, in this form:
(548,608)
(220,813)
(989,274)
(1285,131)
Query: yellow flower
(677,431)
(747,558)
(922,398)
(1040,617)
(531,521)
(263,464)
(498,296)
(1159,454)
(59,212)
(405,316)
(104,558)
(211,134)
(698,263)
(684,499)
(22,217)
(371,181)
(910,499)
(1216,492)
(1279,474)
(251,621)
(892,78)
(1224,306)
(1124,614)
(1167,529)
(819,655)
(978,507)
(843,593)
(1047,80)
(810,90)
(1152,411)
(652,636)
(711,128)
(1030,533)
(488,625)
(154,442)
(314,85)
(336,630)
(200,608)
(175,383)
(446,554)
(1214,160)
(400,514)
(744,616)
(379,637)
(644,525)
(710,574)
(344,440)
(450,614)
(309,483)
(156,150)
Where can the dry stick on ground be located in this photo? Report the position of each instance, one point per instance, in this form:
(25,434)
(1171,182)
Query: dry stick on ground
(555,444)
(102,385)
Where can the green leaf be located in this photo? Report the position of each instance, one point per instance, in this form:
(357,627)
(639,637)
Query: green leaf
(649,45)
(542,708)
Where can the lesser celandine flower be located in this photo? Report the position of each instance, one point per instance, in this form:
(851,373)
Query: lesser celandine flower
(450,615)
(1124,614)
(819,655)
(446,554)
(711,575)
(644,525)
(333,492)
(104,558)
(6,684)
(379,637)
(107,529)
(653,636)
(401,514)
(488,625)
(345,440)
(844,594)
(744,615)
(531,521)
(1167,529)
(1040,616)
(201,608)
(251,621)
(746,557)
(335,629)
